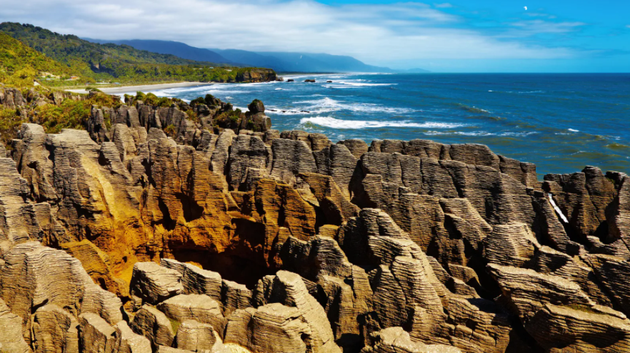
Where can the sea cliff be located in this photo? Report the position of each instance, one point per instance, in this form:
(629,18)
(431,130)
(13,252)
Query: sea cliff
(196,227)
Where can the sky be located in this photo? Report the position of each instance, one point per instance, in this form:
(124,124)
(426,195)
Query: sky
(454,36)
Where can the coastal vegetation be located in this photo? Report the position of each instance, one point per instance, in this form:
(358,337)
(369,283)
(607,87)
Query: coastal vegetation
(56,110)
(67,60)
(20,64)
(71,113)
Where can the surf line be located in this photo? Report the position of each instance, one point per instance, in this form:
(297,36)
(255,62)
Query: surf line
(558,210)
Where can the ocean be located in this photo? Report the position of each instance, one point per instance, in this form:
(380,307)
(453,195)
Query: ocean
(560,122)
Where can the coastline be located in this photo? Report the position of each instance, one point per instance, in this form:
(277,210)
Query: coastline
(144,87)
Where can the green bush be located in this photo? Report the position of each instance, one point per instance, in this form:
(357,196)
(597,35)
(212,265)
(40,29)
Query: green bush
(171,131)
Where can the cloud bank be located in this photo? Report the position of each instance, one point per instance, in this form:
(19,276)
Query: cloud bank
(377,34)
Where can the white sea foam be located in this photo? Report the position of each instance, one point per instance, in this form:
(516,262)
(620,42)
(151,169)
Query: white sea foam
(481,133)
(334,123)
(175,91)
(573,130)
(365,84)
(327,105)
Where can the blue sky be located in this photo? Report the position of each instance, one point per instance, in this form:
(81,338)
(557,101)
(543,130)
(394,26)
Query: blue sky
(454,36)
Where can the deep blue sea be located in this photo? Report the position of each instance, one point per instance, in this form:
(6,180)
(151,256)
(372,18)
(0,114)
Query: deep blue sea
(561,122)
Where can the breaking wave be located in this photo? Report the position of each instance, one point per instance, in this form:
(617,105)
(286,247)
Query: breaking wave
(333,123)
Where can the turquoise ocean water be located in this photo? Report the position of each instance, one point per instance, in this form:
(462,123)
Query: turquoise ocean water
(560,122)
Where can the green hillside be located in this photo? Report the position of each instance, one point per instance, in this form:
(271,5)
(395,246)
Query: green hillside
(118,63)
(19,64)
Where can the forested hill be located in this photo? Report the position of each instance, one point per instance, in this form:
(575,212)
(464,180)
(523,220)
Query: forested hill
(122,63)
(20,64)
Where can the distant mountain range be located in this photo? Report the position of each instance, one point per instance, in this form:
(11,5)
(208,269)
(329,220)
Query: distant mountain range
(279,61)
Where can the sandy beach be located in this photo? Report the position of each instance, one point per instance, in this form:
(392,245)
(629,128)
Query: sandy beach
(143,88)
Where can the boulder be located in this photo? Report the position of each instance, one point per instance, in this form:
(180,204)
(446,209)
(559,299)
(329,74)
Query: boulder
(197,307)
(154,283)
(154,325)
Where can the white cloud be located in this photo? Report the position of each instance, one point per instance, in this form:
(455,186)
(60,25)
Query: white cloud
(373,33)
(627,26)
(540,26)
(443,6)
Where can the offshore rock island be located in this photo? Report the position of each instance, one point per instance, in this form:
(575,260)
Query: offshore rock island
(166,226)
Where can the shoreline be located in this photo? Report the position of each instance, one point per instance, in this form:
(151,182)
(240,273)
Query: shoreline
(143,87)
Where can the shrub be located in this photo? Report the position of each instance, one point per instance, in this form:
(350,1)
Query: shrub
(171,131)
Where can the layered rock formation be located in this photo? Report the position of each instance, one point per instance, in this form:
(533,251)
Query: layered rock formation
(164,231)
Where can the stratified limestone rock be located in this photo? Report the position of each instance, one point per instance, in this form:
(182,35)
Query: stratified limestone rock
(11,339)
(614,275)
(250,204)
(408,293)
(618,215)
(288,288)
(164,349)
(355,146)
(582,198)
(197,307)
(96,263)
(565,329)
(497,197)
(35,275)
(277,206)
(474,325)
(196,336)
(396,340)
(246,152)
(279,328)
(154,283)
(523,172)
(96,335)
(528,290)
(462,221)
(77,177)
(220,154)
(549,227)
(131,342)
(336,208)
(154,325)
(54,330)
(237,329)
(19,221)
(196,280)
(510,245)
(345,303)
(314,141)
(235,296)
(338,162)
(576,269)
(290,158)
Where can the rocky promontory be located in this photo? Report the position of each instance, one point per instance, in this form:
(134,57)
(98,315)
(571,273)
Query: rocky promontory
(195,227)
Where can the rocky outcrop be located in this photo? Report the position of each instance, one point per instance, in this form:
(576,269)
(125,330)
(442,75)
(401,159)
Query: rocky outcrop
(217,235)
(395,340)
(256,75)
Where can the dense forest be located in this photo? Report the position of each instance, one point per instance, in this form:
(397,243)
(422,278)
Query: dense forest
(19,64)
(77,62)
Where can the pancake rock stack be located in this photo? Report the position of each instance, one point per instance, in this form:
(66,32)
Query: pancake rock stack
(157,233)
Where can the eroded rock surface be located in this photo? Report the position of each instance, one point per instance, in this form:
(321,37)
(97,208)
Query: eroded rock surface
(154,232)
